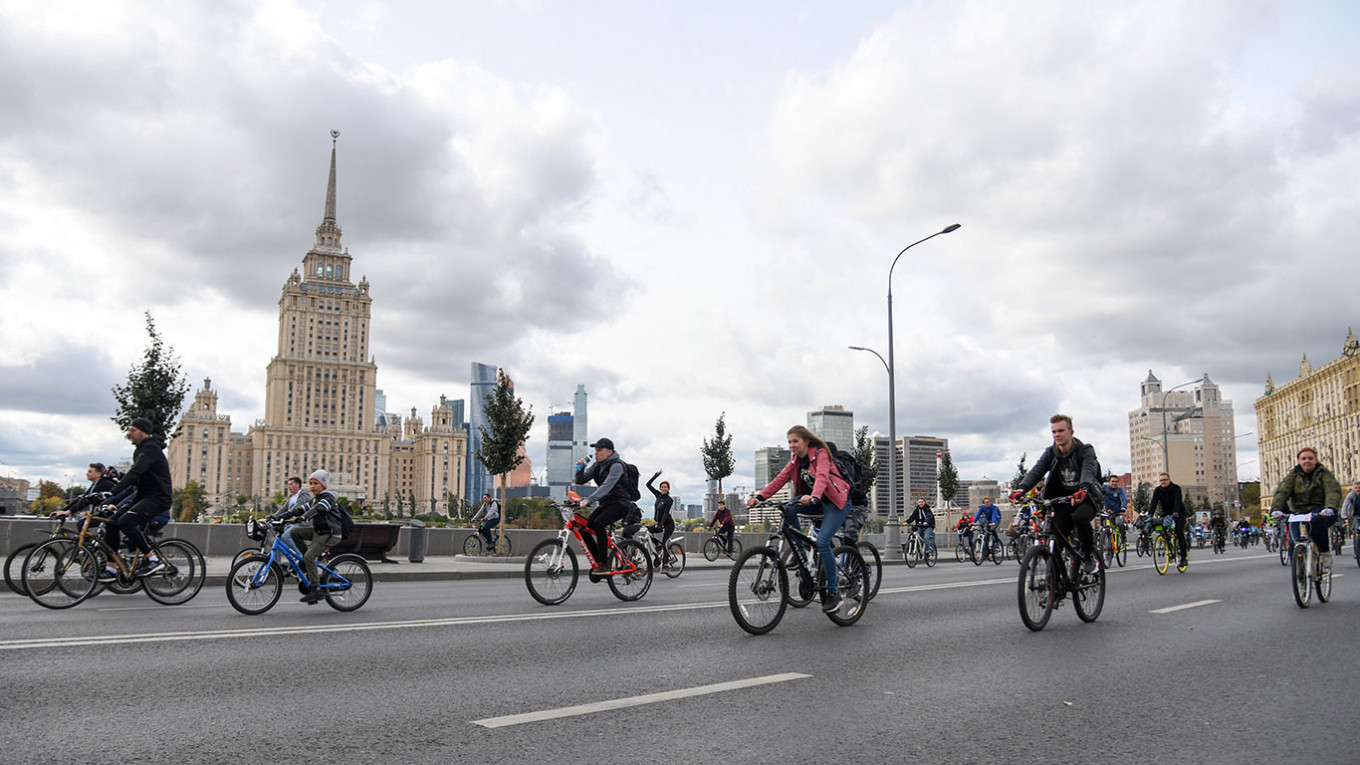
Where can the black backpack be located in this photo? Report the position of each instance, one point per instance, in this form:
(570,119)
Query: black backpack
(853,473)
(629,482)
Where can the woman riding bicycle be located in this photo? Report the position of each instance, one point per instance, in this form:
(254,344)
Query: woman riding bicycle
(1309,488)
(661,513)
(818,490)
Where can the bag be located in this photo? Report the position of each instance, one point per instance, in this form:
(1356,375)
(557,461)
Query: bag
(853,474)
(629,483)
(332,519)
(633,517)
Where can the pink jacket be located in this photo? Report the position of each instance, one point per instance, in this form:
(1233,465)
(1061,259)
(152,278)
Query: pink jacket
(828,483)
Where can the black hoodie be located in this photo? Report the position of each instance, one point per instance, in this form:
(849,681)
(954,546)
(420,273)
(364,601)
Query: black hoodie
(150,473)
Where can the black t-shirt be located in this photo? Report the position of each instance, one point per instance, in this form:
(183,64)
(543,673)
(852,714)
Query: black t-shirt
(1068,473)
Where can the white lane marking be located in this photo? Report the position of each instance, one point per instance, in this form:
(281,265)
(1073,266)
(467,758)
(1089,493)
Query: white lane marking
(632,701)
(1196,604)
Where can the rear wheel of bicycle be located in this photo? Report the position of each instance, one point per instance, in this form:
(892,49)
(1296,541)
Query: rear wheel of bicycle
(183,576)
(674,560)
(735,552)
(1035,591)
(503,546)
(355,569)
(248,597)
(873,563)
(1159,555)
(1089,598)
(1286,550)
(802,588)
(474,544)
(757,590)
(712,549)
(632,585)
(853,580)
(550,572)
(1182,561)
(14,567)
(1300,577)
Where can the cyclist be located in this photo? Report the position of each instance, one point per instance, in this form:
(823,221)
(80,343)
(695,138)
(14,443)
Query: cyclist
(150,476)
(1022,522)
(924,518)
(661,515)
(1167,500)
(317,528)
(609,501)
(1350,506)
(964,529)
(1309,488)
(1068,466)
(726,525)
(101,479)
(294,498)
(1218,525)
(819,489)
(491,512)
(989,518)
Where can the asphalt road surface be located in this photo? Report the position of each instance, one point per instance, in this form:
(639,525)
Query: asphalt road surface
(1214,665)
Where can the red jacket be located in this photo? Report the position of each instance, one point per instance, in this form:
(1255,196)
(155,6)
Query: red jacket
(827,484)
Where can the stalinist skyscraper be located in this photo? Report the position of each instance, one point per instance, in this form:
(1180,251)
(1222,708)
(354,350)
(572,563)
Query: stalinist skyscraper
(320,385)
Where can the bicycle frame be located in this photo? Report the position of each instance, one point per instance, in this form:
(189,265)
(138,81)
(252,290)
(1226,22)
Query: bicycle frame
(574,525)
(295,563)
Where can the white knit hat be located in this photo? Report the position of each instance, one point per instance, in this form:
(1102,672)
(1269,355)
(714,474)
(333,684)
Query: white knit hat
(322,477)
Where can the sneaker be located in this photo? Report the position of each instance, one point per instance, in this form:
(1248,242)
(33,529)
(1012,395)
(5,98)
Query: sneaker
(312,597)
(831,603)
(1088,564)
(148,568)
(108,575)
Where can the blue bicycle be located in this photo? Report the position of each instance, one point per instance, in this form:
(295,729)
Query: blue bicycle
(256,581)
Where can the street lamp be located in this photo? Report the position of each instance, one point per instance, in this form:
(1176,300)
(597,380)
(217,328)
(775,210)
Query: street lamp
(893,545)
(1166,458)
(894,523)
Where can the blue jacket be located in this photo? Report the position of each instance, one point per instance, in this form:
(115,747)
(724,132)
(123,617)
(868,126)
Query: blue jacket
(990,517)
(1116,501)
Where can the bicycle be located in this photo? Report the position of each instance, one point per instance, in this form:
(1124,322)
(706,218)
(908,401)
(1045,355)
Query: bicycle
(964,550)
(758,590)
(1143,547)
(1043,586)
(1308,574)
(986,546)
(64,571)
(14,564)
(255,583)
(1355,540)
(1283,541)
(1110,541)
(1220,542)
(1164,546)
(914,549)
(476,544)
(717,545)
(551,571)
(671,561)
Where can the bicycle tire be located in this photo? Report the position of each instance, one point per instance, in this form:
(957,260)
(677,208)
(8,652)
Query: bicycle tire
(975,552)
(1300,578)
(1035,589)
(1121,549)
(874,566)
(758,590)
(932,557)
(1089,597)
(250,599)
(959,552)
(852,580)
(1322,586)
(1159,555)
(1183,562)
(711,550)
(14,567)
(735,552)
(474,544)
(183,580)
(998,552)
(1286,551)
(551,572)
(675,560)
(802,589)
(503,546)
(355,569)
(909,551)
(58,574)
(631,586)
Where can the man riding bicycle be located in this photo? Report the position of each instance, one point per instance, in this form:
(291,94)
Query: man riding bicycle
(490,514)
(1309,488)
(610,499)
(150,476)
(1068,466)
(1168,500)
(989,518)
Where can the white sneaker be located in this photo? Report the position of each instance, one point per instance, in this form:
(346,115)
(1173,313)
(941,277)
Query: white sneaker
(1326,559)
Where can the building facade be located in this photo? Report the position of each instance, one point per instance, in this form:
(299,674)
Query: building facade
(916,473)
(1189,434)
(832,423)
(1321,409)
(769,461)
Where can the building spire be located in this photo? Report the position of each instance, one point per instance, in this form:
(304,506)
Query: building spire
(329,217)
(328,233)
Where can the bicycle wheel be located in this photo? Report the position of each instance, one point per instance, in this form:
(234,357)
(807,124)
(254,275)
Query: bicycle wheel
(1121,549)
(252,591)
(758,590)
(634,584)
(57,574)
(976,550)
(932,557)
(503,546)
(1035,587)
(852,579)
(352,568)
(712,549)
(550,572)
(1089,597)
(802,587)
(182,577)
(1182,560)
(997,551)
(1286,550)
(1356,542)
(873,563)
(675,560)
(1323,583)
(474,544)
(14,567)
(910,550)
(1160,555)
(1300,577)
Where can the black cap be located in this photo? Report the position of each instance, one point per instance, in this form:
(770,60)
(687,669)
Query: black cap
(142,424)
(603,443)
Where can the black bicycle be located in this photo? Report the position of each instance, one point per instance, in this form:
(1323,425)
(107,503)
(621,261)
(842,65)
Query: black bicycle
(1052,570)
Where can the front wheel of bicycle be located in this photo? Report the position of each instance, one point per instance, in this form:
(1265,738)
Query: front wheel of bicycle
(873,563)
(14,567)
(712,549)
(909,552)
(976,552)
(852,579)
(182,577)
(253,591)
(1089,597)
(635,583)
(1286,550)
(1036,588)
(354,569)
(757,590)
(1300,575)
(58,574)
(674,560)
(1121,550)
(1160,555)
(474,544)
(550,572)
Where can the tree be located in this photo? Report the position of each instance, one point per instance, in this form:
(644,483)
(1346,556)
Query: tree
(188,502)
(1020,471)
(1251,498)
(867,456)
(50,498)
(948,479)
(718,462)
(1141,497)
(500,450)
(155,388)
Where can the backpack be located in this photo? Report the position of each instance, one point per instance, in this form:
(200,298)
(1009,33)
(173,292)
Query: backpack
(629,482)
(332,518)
(853,474)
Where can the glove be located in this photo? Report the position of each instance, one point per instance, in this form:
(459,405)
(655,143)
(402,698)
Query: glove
(1327,512)
(1016,495)
(1079,497)
(1276,514)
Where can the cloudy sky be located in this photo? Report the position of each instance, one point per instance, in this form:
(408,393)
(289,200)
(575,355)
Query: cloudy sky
(690,207)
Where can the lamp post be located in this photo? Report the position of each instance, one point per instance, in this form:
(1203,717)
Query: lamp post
(1166,458)
(893,545)
(894,526)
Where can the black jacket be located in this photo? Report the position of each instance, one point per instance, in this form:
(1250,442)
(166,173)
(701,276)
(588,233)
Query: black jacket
(664,502)
(91,496)
(150,473)
(1167,500)
(1050,464)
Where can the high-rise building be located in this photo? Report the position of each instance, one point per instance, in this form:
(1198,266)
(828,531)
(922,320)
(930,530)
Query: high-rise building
(483,385)
(580,433)
(769,461)
(561,468)
(1188,434)
(832,423)
(1321,409)
(916,473)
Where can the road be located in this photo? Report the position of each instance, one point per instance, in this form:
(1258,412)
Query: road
(940,668)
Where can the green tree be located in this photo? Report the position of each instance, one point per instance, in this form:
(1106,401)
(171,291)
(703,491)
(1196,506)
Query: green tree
(1251,498)
(1141,497)
(500,450)
(155,388)
(718,462)
(188,502)
(1020,471)
(948,479)
(867,456)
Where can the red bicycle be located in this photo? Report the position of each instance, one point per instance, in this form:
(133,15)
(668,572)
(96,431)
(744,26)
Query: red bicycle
(551,570)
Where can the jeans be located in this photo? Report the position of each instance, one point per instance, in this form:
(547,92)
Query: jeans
(929,535)
(486,528)
(832,518)
(1317,530)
